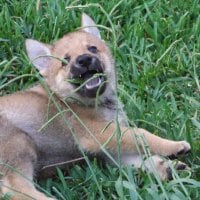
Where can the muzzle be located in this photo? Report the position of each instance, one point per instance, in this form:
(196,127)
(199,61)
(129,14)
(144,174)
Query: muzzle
(87,73)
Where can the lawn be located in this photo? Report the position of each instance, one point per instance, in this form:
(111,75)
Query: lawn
(156,45)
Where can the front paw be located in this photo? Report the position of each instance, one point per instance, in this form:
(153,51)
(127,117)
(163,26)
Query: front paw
(181,148)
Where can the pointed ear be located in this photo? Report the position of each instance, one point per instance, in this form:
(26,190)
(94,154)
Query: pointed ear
(88,25)
(39,55)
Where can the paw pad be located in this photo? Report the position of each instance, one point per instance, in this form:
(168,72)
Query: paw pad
(181,166)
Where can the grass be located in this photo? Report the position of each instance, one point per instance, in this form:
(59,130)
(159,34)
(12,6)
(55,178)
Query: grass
(156,45)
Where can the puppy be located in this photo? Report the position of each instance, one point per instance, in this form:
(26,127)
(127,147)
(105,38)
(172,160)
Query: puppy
(74,111)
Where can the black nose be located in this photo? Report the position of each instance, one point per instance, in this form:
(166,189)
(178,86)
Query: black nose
(84,60)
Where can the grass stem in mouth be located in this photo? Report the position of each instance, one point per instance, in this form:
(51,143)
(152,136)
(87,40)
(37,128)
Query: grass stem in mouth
(79,80)
(83,83)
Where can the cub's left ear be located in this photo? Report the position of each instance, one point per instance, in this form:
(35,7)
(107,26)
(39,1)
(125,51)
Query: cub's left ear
(88,25)
(38,54)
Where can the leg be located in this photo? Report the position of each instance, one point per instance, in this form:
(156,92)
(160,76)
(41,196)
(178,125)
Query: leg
(160,146)
(21,188)
(18,157)
(131,139)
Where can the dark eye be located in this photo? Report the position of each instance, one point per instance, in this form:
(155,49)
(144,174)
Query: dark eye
(92,49)
(66,60)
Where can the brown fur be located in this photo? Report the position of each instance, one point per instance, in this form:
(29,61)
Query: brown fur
(27,144)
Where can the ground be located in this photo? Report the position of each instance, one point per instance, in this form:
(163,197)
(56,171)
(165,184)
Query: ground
(156,45)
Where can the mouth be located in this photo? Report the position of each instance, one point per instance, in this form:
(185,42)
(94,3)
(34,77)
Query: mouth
(92,79)
(90,82)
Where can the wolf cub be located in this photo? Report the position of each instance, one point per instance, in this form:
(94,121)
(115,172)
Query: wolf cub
(73,111)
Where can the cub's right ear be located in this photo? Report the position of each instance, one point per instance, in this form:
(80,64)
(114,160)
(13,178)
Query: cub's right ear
(39,54)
